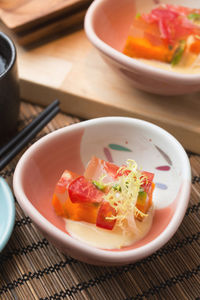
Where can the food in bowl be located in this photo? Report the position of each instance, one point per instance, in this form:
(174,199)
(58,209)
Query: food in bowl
(107,24)
(169,35)
(109,206)
(114,139)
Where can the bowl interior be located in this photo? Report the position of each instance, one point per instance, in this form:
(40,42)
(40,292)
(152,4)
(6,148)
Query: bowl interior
(112,19)
(109,24)
(115,140)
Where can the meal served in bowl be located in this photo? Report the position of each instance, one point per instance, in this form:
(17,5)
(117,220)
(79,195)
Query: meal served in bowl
(169,34)
(105,143)
(108,207)
(153,45)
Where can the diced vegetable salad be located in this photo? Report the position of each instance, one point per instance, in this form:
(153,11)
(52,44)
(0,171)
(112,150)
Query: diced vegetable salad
(105,195)
(169,34)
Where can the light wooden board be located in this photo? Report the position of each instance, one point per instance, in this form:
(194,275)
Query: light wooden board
(20,15)
(32,21)
(71,69)
(57,27)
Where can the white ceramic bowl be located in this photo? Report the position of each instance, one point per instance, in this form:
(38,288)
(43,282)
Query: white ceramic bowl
(107,23)
(114,139)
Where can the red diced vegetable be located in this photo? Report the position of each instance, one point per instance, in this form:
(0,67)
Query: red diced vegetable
(147,181)
(81,191)
(105,210)
(64,181)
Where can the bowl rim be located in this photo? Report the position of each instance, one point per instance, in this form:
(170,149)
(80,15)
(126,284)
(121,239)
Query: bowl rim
(8,199)
(128,62)
(9,43)
(125,256)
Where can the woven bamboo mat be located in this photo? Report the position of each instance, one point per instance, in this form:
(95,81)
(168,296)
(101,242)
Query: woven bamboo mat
(31,268)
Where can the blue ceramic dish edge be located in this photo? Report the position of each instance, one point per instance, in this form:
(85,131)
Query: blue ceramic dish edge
(8,212)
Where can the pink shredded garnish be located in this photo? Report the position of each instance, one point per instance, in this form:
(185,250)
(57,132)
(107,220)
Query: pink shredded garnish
(172,22)
(182,10)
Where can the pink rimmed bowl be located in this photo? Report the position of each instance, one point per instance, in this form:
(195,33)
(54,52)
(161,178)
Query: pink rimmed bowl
(114,139)
(107,24)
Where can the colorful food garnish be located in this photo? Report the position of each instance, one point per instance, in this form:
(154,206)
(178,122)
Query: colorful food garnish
(107,195)
(169,34)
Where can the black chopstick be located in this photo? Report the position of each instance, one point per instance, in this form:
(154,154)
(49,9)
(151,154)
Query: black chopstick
(22,139)
(28,128)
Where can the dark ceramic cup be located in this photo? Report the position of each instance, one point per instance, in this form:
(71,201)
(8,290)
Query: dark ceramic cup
(9,88)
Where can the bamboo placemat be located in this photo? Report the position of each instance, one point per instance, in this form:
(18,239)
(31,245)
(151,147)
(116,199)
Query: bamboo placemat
(31,268)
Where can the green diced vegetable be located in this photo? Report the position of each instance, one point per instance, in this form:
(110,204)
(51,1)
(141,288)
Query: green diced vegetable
(117,187)
(178,53)
(142,195)
(141,190)
(99,185)
(138,15)
(194,17)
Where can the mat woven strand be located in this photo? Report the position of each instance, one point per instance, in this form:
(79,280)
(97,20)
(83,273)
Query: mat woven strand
(31,268)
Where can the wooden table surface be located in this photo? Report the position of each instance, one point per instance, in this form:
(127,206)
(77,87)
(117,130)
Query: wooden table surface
(70,68)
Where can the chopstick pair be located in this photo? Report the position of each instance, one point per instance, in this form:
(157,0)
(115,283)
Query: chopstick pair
(17,143)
